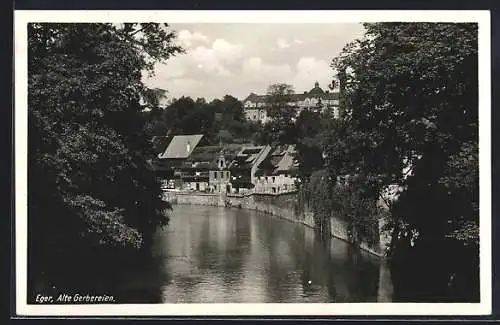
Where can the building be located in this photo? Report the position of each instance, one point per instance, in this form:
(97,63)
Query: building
(181,146)
(244,166)
(277,173)
(207,169)
(314,99)
(190,163)
(172,152)
(220,176)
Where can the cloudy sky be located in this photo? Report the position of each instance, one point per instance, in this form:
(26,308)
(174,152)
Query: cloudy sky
(237,59)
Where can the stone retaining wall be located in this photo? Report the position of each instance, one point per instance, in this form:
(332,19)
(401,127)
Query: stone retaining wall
(285,206)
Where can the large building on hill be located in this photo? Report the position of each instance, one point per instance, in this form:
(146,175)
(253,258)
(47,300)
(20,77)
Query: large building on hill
(314,99)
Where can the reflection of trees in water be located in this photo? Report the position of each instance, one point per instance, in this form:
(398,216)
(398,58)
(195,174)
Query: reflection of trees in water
(284,255)
(223,260)
(350,276)
(363,284)
(237,249)
(277,262)
(140,282)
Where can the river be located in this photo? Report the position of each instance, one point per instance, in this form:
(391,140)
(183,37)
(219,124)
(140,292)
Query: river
(215,254)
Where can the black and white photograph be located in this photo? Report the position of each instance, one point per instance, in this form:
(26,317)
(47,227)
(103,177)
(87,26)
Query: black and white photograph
(247,163)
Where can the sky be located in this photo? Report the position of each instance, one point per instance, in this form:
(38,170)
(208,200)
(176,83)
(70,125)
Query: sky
(238,59)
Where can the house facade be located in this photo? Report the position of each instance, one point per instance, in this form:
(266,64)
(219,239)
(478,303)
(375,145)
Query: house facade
(277,174)
(172,154)
(232,168)
(244,166)
(220,177)
(255,106)
(207,170)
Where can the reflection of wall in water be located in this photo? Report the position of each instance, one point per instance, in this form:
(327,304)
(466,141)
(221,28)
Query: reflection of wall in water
(251,267)
(284,206)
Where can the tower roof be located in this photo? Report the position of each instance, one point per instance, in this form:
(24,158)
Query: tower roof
(316,90)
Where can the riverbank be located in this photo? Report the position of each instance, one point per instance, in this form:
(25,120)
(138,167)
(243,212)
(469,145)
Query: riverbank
(285,206)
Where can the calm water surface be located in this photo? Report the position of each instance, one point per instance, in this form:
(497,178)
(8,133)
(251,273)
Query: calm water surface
(212,254)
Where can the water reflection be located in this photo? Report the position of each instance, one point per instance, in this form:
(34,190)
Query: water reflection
(211,254)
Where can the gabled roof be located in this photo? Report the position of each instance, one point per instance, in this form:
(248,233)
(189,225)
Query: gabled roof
(315,92)
(206,157)
(247,156)
(212,153)
(255,98)
(181,146)
(281,160)
(331,95)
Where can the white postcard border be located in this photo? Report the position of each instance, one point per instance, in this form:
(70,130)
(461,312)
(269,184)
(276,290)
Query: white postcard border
(21,18)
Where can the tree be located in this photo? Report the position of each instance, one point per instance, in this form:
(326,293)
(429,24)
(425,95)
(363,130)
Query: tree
(410,97)
(154,97)
(281,113)
(309,143)
(91,194)
(187,116)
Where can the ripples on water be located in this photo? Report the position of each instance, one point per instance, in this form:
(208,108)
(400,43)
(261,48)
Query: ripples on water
(212,254)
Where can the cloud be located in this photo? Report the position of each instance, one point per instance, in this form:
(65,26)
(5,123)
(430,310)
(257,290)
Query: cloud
(227,51)
(309,70)
(237,59)
(187,38)
(282,43)
(187,83)
(170,70)
(254,69)
(207,60)
(215,58)
(199,61)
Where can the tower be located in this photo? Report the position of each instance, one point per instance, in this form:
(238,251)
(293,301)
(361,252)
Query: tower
(221,161)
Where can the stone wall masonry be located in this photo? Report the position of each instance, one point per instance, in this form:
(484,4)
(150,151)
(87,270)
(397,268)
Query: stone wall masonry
(284,206)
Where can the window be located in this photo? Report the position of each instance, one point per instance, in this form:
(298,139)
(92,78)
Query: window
(274,178)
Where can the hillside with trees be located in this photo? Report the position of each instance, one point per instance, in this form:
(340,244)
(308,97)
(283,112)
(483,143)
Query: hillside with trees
(220,119)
